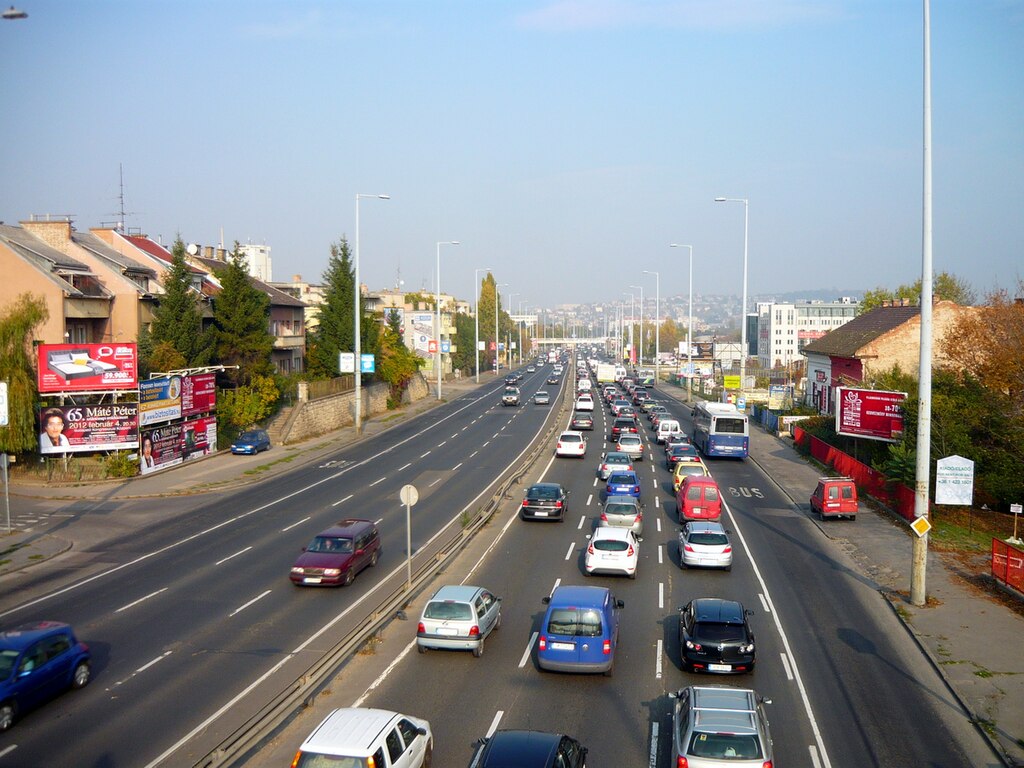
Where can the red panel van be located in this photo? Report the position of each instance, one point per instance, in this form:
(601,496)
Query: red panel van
(699,499)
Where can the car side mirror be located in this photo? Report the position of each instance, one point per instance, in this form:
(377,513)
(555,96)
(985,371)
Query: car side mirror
(620,603)
(748,612)
(765,700)
(587,537)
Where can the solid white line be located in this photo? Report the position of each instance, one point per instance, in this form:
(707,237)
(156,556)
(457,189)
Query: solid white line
(529,650)
(149,664)
(359,702)
(141,599)
(764,603)
(785,665)
(342,501)
(239,552)
(494,723)
(657,662)
(456,466)
(380,480)
(405,467)
(241,608)
(8,750)
(287,528)
(569,553)
(583,519)
(424,455)
(661,592)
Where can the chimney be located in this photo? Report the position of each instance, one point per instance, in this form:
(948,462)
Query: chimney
(222,254)
(56,234)
(208,252)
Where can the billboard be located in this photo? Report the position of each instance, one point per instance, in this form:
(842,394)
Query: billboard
(159,400)
(171,444)
(81,428)
(422,333)
(198,394)
(86,367)
(870,413)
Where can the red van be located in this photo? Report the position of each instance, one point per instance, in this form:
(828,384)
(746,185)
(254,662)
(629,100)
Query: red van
(699,499)
(835,497)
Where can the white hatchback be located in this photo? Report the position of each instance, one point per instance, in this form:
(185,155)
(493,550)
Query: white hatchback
(360,736)
(571,444)
(585,402)
(612,550)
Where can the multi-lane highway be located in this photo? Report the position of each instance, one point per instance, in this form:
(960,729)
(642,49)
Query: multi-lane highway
(193,624)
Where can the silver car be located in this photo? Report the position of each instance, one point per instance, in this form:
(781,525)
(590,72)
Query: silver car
(458,618)
(542,397)
(704,544)
(632,446)
(614,461)
(623,512)
(719,726)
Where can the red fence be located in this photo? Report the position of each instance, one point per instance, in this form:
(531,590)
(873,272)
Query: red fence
(1008,564)
(898,497)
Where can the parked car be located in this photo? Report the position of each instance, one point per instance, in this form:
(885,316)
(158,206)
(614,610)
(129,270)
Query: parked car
(582,420)
(720,726)
(336,555)
(528,749)
(612,461)
(704,544)
(714,636)
(362,737)
(251,442)
(631,445)
(835,497)
(510,396)
(39,661)
(580,630)
(623,484)
(545,501)
(612,551)
(541,397)
(458,617)
(623,512)
(571,444)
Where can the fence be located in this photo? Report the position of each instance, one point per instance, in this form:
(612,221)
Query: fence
(874,483)
(328,387)
(1008,564)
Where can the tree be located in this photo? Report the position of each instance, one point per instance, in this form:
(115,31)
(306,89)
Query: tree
(241,315)
(177,320)
(18,324)
(396,364)
(463,358)
(247,405)
(945,286)
(336,332)
(485,310)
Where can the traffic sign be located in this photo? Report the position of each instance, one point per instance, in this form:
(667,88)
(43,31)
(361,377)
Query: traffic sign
(432,347)
(3,404)
(446,347)
(367,363)
(409,495)
(921,526)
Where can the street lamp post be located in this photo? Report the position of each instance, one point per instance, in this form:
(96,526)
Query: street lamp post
(689,328)
(632,319)
(743,318)
(476,318)
(497,342)
(358,415)
(520,324)
(508,339)
(640,353)
(657,324)
(437,300)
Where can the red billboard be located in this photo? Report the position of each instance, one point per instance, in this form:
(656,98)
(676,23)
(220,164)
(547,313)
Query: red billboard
(86,367)
(198,394)
(80,428)
(870,413)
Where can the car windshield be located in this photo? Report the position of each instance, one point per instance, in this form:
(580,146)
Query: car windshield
(708,539)
(725,746)
(540,492)
(7,659)
(582,622)
(446,610)
(330,544)
(611,545)
(249,437)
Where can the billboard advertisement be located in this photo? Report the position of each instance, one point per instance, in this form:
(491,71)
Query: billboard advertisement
(870,413)
(81,428)
(171,444)
(159,400)
(198,394)
(86,367)
(422,333)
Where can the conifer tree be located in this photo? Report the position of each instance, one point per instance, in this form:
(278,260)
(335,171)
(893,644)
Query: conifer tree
(241,315)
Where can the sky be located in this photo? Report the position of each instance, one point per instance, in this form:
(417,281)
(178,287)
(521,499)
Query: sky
(564,143)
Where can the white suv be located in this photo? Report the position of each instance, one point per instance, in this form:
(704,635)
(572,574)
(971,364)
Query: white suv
(359,738)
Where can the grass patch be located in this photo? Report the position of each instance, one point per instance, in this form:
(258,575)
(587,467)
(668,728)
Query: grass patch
(35,557)
(265,467)
(961,529)
(4,562)
(983,673)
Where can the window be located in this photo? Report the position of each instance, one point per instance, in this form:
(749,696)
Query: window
(408,730)
(394,745)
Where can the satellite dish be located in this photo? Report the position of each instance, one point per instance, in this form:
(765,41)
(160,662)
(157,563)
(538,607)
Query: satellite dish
(192,249)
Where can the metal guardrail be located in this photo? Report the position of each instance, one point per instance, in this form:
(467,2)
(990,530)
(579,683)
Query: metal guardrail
(301,692)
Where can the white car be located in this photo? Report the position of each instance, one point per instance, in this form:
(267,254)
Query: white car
(585,402)
(612,550)
(360,736)
(571,444)
(631,445)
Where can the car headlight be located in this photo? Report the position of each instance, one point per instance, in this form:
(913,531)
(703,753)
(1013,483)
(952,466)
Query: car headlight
(332,571)
(749,648)
(298,570)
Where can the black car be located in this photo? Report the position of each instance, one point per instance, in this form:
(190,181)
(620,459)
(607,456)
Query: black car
(714,637)
(511,379)
(528,749)
(582,420)
(554,381)
(544,501)
(620,425)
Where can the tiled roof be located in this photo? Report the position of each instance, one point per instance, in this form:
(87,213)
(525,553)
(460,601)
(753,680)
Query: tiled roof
(848,339)
(278,298)
(93,244)
(156,250)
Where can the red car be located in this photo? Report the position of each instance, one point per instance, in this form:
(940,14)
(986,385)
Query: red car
(336,555)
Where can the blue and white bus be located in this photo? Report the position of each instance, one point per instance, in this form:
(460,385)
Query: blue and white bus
(720,430)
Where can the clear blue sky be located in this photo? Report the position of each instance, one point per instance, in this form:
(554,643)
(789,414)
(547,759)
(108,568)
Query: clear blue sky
(565,143)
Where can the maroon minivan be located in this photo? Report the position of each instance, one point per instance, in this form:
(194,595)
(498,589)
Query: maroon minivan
(336,555)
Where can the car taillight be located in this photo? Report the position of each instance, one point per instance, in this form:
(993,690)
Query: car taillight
(604,517)
(606,647)
(474,631)
(558,505)
(681,762)
(766,764)
(590,549)
(526,502)
(298,756)
(542,644)
(688,548)
(727,550)
(636,489)
(420,629)
(639,516)
(629,552)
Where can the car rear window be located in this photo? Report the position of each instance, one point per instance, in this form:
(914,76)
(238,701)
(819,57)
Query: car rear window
(571,439)
(629,440)
(581,622)
(725,746)
(542,493)
(729,426)
(611,545)
(711,632)
(621,479)
(709,539)
(620,509)
(447,611)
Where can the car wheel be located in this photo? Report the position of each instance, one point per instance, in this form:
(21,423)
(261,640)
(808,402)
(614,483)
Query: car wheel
(479,650)
(82,674)
(350,576)
(608,672)
(427,756)
(421,648)
(728,568)
(632,575)
(6,716)
(497,623)
(375,558)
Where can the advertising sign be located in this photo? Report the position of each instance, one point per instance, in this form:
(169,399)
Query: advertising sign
(731,381)
(346,362)
(198,437)
(198,394)
(422,332)
(367,363)
(86,367)
(80,428)
(159,400)
(954,481)
(870,413)
(161,448)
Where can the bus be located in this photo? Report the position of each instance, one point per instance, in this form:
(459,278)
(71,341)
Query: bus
(720,430)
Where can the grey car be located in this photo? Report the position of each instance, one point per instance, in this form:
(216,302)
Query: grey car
(458,618)
(719,726)
(623,512)
(542,397)
(704,544)
(614,461)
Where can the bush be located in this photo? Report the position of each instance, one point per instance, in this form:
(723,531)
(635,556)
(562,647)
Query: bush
(120,464)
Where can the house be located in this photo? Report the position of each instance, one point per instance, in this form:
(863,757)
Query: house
(871,344)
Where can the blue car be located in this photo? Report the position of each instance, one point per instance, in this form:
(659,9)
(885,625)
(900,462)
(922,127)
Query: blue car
(251,442)
(580,630)
(623,484)
(37,662)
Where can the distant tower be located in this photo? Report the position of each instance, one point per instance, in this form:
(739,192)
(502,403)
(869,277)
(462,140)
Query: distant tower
(257,259)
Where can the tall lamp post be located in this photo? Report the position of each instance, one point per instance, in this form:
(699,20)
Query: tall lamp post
(437,300)
(497,341)
(508,345)
(657,324)
(632,319)
(520,324)
(689,328)
(640,335)
(743,318)
(358,313)
(476,318)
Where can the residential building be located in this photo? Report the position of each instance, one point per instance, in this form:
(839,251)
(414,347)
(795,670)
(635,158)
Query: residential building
(257,259)
(310,294)
(784,329)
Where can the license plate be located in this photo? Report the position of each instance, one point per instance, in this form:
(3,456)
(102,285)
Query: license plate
(540,513)
(311,580)
(562,647)
(447,631)
(720,667)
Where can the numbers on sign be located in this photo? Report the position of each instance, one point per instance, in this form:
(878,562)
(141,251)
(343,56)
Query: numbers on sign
(748,493)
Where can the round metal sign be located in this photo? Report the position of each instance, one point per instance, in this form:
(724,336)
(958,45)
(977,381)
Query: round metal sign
(409,495)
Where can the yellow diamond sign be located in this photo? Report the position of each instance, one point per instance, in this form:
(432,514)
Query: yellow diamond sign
(921,526)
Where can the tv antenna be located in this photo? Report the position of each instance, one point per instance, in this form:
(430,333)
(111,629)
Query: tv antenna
(120,225)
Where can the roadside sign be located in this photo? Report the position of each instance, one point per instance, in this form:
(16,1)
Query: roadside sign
(346,362)
(432,347)
(367,364)
(954,481)
(920,526)
(409,495)
(731,382)
(3,404)
(446,347)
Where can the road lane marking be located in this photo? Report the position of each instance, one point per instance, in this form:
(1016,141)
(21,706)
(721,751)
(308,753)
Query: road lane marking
(657,663)
(443,442)
(434,483)
(528,651)
(8,751)
(241,608)
(141,599)
(474,453)
(661,590)
(342,501)
(571,548)
(785,665)
(764,603)
(456,434)
(494,723)
(557,582)
(487,443)
(405,467)
(654,480)
(652,759)
(149,664)
(239,552)
(657,502)
(660,551)
(590,498)
(456,466)
(814,756)
(583,519)
(424,455)
(286,528)
(379,480)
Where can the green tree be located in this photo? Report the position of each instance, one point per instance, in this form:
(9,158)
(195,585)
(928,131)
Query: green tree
(177,319)
(241,315)
(463,358)
(336,332)
(396,364)
(247,405)
(18,323)
(945,286)
(485,308)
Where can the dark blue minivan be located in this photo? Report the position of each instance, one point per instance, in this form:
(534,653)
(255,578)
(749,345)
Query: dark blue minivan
(580,630)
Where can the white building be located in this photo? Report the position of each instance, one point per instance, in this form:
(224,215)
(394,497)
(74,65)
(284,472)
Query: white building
(257,258)
(785,329)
